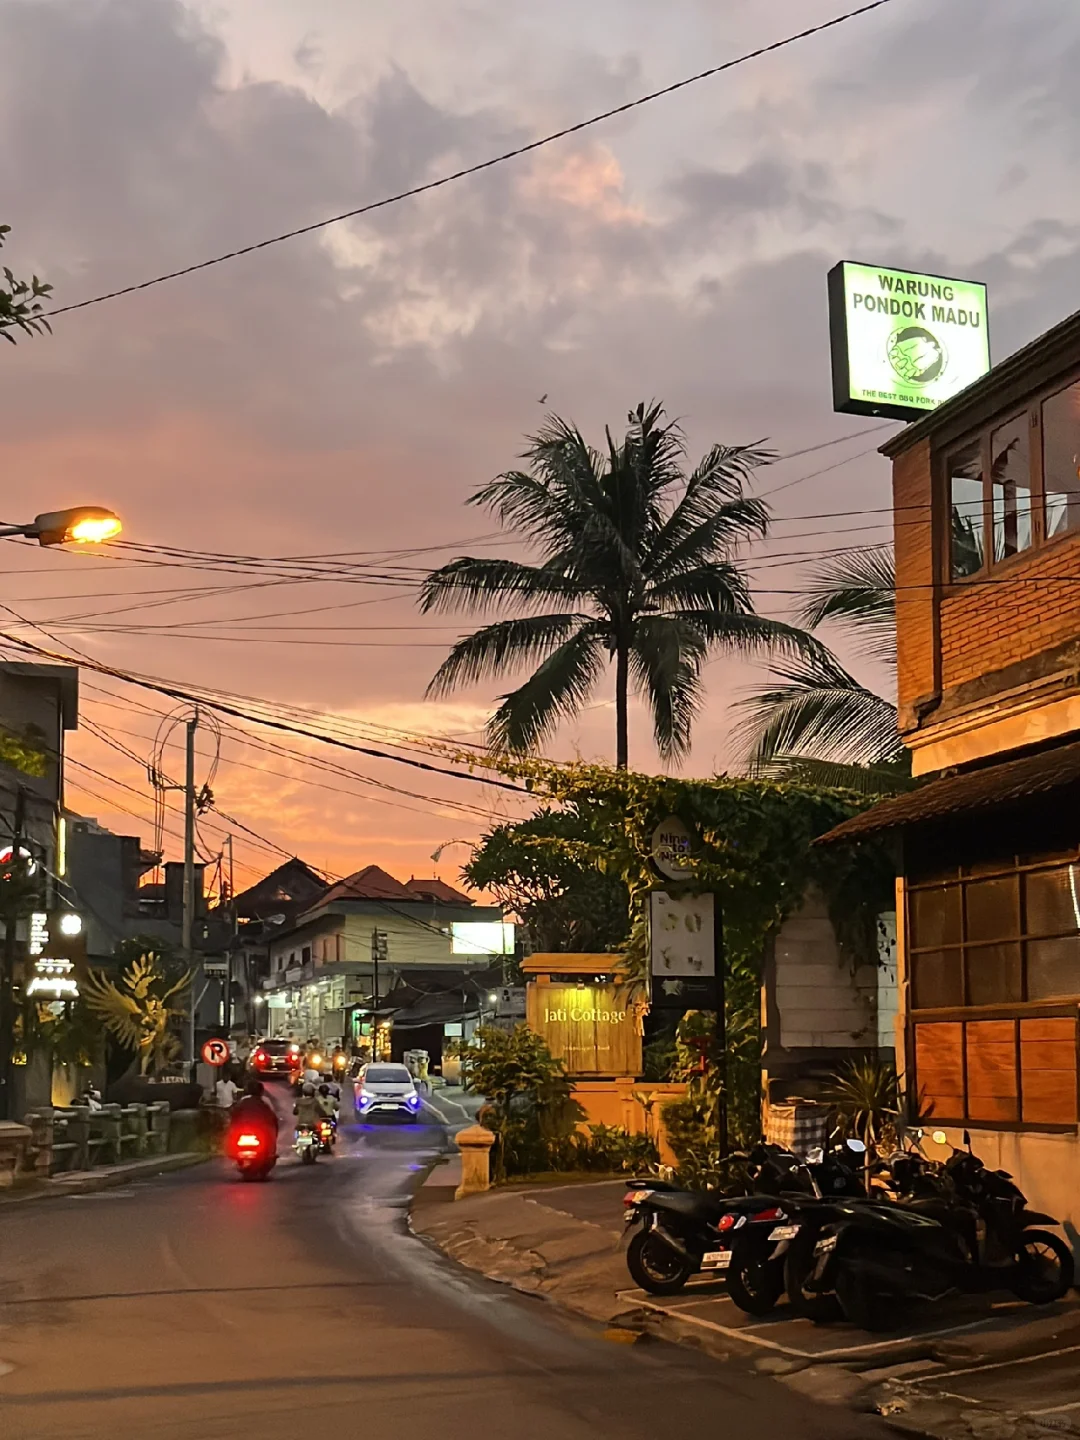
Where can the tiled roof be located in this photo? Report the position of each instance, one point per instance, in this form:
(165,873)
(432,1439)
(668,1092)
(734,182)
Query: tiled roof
(371,883)
(437,890)
(968,793)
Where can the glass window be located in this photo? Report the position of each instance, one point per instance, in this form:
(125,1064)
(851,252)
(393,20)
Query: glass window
(992,908)
(935,917)
(1010,481)
(1053,968)
(937,979)
(1061,460)
(993,975)
(966,512)
(1052,900)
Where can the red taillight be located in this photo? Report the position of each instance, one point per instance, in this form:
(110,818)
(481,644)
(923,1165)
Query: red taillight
(260,1057)
(248,1142)
(772,1214)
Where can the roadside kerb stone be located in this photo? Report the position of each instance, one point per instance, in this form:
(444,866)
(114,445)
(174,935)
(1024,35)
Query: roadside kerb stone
(105,1177)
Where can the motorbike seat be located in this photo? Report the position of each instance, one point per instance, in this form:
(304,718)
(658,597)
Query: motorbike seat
(688,1204)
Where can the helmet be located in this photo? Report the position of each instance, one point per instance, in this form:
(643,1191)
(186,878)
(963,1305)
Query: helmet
(324,1089)
(308,1089)
(255,1087)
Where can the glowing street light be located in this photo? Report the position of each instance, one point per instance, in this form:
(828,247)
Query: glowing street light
(82,525)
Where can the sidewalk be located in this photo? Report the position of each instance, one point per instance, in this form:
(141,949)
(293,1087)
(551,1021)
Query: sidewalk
(102,1177)
(985,1366)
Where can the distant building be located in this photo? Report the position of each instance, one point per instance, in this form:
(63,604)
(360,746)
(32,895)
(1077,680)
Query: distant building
(431,940)
(39,704)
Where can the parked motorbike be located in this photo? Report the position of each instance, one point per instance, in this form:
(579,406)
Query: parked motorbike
(743,1237)
(254,1152)
(967,1229)
(306,1144)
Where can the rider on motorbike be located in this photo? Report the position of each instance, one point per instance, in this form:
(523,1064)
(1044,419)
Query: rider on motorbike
(254,1112)
(307,1109)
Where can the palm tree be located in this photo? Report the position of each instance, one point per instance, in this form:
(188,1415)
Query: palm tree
(819,722)
(638,565)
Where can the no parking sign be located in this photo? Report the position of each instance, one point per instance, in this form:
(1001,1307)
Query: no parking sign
(216,1052)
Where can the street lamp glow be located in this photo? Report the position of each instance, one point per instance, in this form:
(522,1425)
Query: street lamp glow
(82,525)
(70,924)
(94,529)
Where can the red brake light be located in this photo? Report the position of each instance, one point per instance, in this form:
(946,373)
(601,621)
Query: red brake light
(248,1142)
(726,1222)
(773,1214)
(260,1057)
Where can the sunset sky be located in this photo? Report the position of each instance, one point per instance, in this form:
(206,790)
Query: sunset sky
(347,391)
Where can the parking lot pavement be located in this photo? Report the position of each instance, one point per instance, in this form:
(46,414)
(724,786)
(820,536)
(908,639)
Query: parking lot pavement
(965,1362)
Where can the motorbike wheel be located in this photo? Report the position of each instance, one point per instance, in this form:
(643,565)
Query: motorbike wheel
(308,1156)
(755,1283)
(1044,1268)
(798,1263)
(861,1302)
(655,1267)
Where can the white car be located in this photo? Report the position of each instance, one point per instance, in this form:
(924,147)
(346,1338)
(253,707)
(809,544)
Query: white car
(387,1090)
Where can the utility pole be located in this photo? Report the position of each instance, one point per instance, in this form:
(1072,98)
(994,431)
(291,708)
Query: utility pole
(227,1007)
(187,931)
(7,977)
(379,951)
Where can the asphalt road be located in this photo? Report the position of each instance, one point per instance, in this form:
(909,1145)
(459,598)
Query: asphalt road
(198,1306)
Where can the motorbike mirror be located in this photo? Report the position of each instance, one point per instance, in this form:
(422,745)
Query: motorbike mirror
(939,1137)
(857,1146)
(967,1141)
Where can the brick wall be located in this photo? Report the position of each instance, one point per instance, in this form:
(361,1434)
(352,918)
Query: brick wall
(915,618)
(985,627)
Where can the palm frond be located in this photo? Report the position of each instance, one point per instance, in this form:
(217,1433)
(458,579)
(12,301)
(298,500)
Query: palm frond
(715,484)
(719,586)
(819,711)
(556,689)
(752,635)
(488,651)
(876,780)
(480,584)
(858,591)
(665,660)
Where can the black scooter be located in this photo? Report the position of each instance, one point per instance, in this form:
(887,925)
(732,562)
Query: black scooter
(742,1237)
(975,1234)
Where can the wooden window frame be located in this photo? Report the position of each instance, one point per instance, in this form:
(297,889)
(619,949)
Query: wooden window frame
(982,436)
(966,1016)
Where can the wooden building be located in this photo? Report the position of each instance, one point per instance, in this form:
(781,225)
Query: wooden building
(987,514)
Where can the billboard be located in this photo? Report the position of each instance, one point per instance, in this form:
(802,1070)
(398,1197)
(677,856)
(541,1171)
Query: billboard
(902,342)
(481,937)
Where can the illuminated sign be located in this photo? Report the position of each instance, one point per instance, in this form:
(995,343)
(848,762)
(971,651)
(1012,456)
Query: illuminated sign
(588,1027)
(481,937)
(54,943)
(903,343)
(672,849)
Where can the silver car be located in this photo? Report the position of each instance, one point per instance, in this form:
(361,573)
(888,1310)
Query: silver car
(387,1091)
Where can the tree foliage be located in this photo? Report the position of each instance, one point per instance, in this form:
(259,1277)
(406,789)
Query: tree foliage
(638,565)
(24,751)
(534,872)
(20,301)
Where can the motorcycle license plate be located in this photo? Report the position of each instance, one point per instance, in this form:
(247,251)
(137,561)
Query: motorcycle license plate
(716,1260)
(824,1246)
(783,1232)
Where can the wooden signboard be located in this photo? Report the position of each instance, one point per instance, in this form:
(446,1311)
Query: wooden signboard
(588,1027)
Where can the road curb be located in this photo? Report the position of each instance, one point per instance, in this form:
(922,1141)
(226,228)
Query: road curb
(108,1179)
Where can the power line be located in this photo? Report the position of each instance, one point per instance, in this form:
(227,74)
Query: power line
(477,168)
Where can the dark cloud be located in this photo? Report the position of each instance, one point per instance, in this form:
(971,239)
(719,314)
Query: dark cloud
(350,389)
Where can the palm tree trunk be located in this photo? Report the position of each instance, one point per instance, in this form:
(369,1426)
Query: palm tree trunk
(622,684)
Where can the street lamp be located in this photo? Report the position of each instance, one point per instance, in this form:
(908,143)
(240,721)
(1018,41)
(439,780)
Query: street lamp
(82,525)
